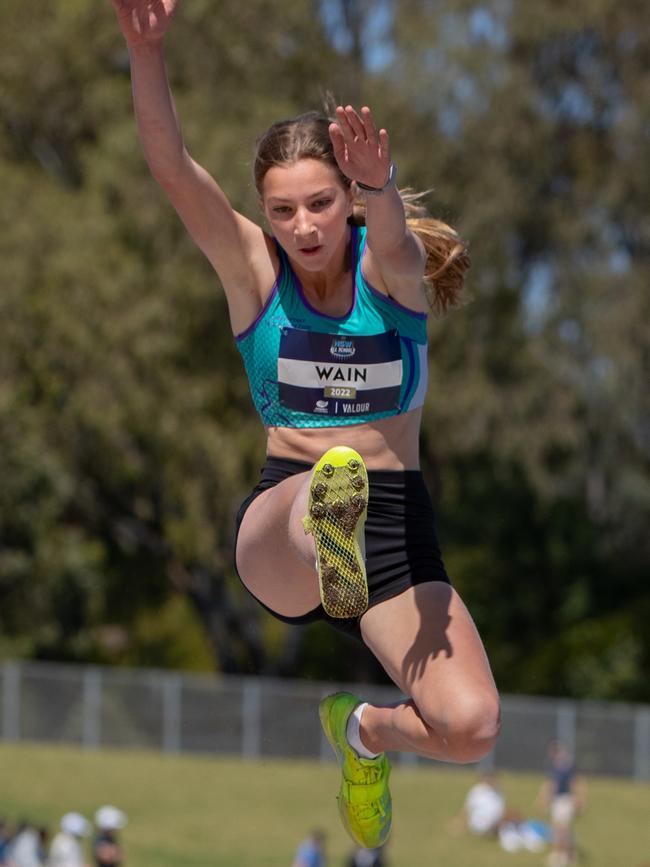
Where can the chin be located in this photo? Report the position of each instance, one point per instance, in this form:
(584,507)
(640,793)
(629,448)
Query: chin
(315,264)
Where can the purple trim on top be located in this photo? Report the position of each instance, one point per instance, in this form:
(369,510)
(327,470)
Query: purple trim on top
(274,291)
(411,380)
(383,296)
(301,294)
(417,313)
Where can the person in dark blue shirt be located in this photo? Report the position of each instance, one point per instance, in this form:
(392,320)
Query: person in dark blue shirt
(563,796)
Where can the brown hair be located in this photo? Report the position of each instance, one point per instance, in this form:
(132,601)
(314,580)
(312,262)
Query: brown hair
(307,137)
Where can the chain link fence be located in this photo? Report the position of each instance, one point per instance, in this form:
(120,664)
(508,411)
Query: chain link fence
(262,717)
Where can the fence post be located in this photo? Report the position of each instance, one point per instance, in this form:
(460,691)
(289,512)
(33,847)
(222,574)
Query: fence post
(251,718)
(487,763)
(91,735)
(325,753)
(565,725)
(11,701)
(407,759)
(642,744)
(172,713)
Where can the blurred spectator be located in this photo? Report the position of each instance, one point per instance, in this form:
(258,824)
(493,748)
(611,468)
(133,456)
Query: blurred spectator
(26,848)
(563,795)
(67,846)
(529,834)
(43,838)
(107,849)
(368,858)
(484,807)
(486,813)
(4,842)
(311,852)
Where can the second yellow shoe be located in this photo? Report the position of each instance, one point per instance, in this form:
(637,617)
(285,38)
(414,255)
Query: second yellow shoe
(364,798)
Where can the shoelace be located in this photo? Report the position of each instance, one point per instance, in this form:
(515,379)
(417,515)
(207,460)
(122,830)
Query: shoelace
(370,809)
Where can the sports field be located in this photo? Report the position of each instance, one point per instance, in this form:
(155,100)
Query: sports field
(207,812)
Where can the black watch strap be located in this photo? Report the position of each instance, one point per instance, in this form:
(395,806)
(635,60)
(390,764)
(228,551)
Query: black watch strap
(377,191)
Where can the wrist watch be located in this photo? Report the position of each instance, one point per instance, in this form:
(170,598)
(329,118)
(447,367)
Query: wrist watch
(377,191)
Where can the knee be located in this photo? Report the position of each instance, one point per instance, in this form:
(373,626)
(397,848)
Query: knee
(469,726)
(473,728)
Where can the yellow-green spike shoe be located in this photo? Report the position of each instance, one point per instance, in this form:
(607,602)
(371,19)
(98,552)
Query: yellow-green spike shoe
(336,514)
(364,797)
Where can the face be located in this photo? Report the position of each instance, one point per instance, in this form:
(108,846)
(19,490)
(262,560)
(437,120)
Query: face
(307,207)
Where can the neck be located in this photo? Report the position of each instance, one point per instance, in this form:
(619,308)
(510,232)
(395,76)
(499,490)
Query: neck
(326,283)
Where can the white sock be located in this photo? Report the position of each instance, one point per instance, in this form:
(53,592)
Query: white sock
(354,735)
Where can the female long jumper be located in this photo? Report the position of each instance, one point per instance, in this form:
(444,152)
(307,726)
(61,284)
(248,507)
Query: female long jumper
(329,311)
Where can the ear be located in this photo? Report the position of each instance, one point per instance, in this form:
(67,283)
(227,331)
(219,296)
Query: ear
(353,195)
(262,207)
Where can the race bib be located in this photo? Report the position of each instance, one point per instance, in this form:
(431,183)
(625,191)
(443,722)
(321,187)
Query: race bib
(334,375)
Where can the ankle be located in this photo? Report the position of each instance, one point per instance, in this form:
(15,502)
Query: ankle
(353,733)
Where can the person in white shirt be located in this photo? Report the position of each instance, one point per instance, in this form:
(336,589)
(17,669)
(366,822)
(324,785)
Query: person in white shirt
(485,806)
(66,849)
(26,848)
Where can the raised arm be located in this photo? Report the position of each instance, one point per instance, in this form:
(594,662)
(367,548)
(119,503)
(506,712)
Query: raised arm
(236,247)
(395,256)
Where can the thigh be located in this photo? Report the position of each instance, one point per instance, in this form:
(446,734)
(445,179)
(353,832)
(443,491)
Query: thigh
(429,646)
(274,557)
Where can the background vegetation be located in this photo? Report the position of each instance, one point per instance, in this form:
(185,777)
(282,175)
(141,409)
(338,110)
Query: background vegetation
(128,437)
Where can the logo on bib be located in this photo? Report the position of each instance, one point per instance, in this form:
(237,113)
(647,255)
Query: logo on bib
(321,406)
(342,347)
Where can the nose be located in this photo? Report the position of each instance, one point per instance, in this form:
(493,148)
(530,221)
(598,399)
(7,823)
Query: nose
(303,224)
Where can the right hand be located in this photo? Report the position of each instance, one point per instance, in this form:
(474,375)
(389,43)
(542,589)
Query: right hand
(144,21)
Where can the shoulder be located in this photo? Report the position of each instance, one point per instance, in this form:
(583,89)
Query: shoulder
(248,286)
(400,277)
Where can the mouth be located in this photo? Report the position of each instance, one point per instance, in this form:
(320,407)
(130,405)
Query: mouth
(311,251)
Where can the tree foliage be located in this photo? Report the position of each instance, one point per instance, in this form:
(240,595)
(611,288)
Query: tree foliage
(128,436)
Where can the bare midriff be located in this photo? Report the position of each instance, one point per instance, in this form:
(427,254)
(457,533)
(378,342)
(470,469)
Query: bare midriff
(388,444)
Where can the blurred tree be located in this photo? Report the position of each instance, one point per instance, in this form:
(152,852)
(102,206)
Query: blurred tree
(538,119)
(128,433)
(121,473)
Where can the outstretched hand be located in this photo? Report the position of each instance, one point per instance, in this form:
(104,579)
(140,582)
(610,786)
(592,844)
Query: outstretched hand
(143,21)
(362,152)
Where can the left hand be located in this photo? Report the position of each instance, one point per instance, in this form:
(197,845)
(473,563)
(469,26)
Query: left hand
(362,151)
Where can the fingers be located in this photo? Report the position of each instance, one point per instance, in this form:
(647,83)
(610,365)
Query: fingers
(352,123)
(369,125)
(345,124)
(355,127)
(338,142)
(384,144)
(361,151)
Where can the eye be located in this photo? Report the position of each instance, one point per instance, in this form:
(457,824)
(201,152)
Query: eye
(281,209)
(321,203)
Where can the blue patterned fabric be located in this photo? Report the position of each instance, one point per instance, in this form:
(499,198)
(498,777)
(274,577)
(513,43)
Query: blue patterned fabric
(307,369)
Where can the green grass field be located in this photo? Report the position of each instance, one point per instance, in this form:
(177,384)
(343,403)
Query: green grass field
(210,812)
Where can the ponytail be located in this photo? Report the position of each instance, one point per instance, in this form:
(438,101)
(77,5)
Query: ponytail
(447,255)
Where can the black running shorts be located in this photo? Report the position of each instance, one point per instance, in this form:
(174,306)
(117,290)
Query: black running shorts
(401,545)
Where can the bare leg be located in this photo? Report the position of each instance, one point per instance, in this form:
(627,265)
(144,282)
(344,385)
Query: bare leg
(275,559)
(429,646)
(424,638)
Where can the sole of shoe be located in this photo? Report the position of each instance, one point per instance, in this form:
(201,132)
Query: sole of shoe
(336,515)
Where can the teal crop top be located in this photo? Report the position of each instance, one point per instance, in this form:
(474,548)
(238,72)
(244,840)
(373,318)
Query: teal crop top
(307,369)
